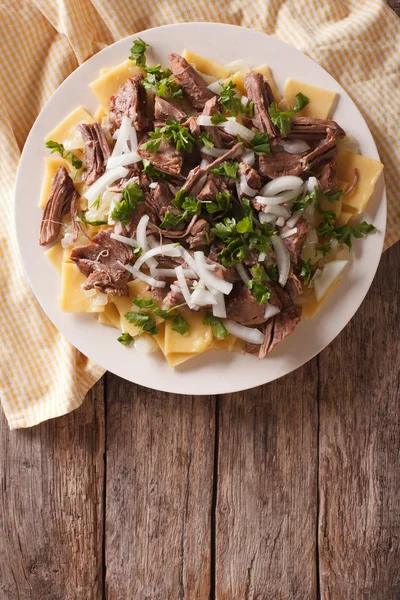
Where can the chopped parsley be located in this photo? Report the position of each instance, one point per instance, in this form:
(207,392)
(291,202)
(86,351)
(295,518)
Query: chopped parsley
(172,132)
(171,221)
(179,324)
(304,269)
(283,118)
(223,202)
(218,118)
(260,143)
(344,233)
(56,147)
(150,170)
(217,327)
(138,51)
(145,321)
(132,195)
(161,80)
(324,248)
(205,138)
(125,339)
(96,203)
(229,100)
(257,285)
(144,302)
(182,201)
(228,169)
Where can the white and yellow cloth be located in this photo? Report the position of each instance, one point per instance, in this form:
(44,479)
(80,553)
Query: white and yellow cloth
(42,41)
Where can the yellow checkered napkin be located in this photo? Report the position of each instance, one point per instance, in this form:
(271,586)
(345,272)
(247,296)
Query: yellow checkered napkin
(42,41)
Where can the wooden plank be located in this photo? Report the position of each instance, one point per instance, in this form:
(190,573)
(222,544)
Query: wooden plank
(267,491)
(51,506)
(160,450)
(359,522)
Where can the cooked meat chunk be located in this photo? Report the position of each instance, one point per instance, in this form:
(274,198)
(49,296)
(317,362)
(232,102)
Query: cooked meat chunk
(159,197)
(220,138)
(245,309)
(280,163)
(167,159)
(308,128)
(325,150)
(134,219)
(198,173)
(97,151)
(99,261)
(278,328)
(327,177)
(194,128)
(174,298)
(164,110)
(130,101)
(295,242)
(253,179)
(213,185)
(293,286)
(199,235)
(63,199)
(192,83)
(259,91)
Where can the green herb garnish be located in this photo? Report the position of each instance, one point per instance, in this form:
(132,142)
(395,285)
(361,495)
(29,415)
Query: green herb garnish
(56,147)
(172,132)
(82,219)
(228,169)
(125,339)
(223,202)
(138,51)
(283,118)
(217,327)
(132,195)
(150,170)
(145,321)
(218,118)
(260,143)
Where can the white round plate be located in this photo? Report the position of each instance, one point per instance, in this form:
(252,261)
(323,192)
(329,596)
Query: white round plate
(212,372)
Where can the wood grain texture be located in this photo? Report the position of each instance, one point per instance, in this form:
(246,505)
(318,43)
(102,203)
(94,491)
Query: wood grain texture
(160,452)
(359,524)
(51,506)
(267,491)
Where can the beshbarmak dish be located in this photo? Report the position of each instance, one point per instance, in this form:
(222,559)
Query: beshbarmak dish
(199,209)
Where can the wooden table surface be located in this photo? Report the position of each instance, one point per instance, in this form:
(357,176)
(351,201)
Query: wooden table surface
(290,491)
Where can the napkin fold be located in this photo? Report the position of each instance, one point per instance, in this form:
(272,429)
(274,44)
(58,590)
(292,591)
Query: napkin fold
(42,42)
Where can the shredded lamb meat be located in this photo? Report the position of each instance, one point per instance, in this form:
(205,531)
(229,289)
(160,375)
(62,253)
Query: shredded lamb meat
(63,199)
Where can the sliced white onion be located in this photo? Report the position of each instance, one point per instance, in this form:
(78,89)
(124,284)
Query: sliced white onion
(153,185)
(261,257)
(245,188)
(210,280)
(329,275)
(235,128)
(279,211)
(123,160)
(294,146)
(75,143)
(115,198)
(252,336)
(122,136)
(271,310)
(145,344)
(133,139)
(67,240)
(282,259)
(142,241)
(89,293)
(203,298)
(281,184)
(125,240)
(215,87)
(214,152)
(293,219)
(100,299)
(188,273)
(280,222)
(245,100)
(219,309)
(281,198)
(249,157)
(146,278)
(311,183)
(167,250)
(204,121)
(104,181)
(288,233)
(242,272)
(238,65)
(263,218)
(184,286)
(204,163)
(175,288)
